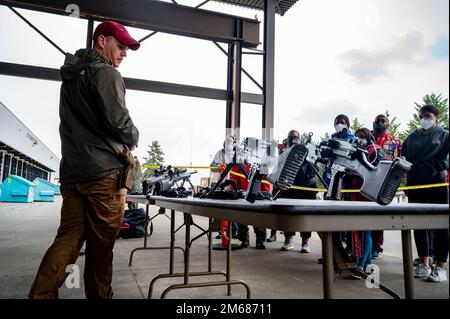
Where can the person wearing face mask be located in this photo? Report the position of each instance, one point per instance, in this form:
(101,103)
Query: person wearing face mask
(391,147)
(305,177)
(342,128)
(219,162)
(242,229)
(361,241)
(427,148)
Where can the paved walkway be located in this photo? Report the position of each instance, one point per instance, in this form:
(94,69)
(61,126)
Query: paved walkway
(26,230)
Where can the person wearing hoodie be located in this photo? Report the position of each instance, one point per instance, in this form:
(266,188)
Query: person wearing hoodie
(342,128)
(427,148)
(305,177)
(95,128)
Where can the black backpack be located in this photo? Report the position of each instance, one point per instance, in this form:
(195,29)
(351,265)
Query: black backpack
(133,224)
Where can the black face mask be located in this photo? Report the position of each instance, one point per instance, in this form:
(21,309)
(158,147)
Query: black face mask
(292,140)
(378,128)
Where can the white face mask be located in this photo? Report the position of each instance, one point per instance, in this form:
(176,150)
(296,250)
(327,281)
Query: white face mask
(426,123)
(361,141)
(340,127)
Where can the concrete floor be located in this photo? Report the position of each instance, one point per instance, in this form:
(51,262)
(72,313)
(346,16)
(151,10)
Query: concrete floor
(26,230)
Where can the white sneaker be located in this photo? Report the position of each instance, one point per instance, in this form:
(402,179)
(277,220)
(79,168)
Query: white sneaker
(437,275)
(418,260)
(369,269)
(422,271)
(306,247)
(288,245)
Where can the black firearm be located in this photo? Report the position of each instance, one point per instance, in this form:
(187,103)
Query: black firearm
(281,175)
(165,179)
(265,162)
(158,175)
(380,183)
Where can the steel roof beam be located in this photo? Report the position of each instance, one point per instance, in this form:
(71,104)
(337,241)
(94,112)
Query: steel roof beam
(50,74)
(156,16)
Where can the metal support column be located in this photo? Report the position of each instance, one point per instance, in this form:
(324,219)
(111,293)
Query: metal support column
(229,105)
(10,163)
(17,165)
(90,31)
(234,113)
(236,103)
(2,165)
(21,168)
(268,69)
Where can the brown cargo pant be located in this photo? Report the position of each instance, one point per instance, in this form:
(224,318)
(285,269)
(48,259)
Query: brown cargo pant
(90,212)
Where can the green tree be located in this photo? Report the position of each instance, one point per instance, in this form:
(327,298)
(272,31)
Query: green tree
(439,101)
(155,157)
(304,137)
(356,125)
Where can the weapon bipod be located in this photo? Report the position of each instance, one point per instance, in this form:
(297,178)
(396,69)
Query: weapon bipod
(223,175)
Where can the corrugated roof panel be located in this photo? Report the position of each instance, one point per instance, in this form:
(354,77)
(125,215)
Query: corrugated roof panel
(281,7)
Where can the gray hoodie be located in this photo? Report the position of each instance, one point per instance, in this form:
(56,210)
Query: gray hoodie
(95,124)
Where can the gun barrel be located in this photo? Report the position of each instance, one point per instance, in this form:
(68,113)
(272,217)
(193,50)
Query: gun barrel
(184,176)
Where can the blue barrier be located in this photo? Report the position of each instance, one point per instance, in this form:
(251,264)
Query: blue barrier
(17,189)
(44,191)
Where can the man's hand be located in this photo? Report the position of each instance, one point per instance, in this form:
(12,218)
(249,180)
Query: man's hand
(133,147)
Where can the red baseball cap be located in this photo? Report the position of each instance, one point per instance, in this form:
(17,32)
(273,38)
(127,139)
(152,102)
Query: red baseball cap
(118,31)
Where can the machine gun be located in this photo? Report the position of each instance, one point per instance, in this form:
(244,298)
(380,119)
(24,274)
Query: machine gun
(165,179)
(263,157)
(343,157)
(280,170)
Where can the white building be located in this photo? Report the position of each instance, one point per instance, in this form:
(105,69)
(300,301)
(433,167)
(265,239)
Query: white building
(21,152)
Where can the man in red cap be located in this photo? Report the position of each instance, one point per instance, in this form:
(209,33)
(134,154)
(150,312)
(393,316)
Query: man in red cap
(95,131)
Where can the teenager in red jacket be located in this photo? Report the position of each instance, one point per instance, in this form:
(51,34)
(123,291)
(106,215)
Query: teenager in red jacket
(390,147)
(243,231)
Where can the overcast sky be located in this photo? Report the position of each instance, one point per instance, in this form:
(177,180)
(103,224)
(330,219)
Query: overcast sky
(359,57)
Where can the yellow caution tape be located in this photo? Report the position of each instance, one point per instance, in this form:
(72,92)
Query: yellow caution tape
(422,186)
(311,189)
(314,189)
(176,166)
(243,176)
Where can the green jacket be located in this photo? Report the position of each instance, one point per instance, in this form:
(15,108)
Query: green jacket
(95,124)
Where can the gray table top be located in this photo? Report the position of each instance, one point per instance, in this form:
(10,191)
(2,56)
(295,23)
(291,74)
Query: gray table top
(303,206)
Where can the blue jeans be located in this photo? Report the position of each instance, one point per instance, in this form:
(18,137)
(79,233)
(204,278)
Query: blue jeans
(366,258)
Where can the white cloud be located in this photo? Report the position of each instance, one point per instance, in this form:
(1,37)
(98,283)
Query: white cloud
(366,65)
